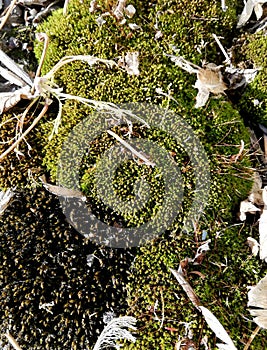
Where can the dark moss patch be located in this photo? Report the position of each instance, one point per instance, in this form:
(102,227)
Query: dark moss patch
(44,260)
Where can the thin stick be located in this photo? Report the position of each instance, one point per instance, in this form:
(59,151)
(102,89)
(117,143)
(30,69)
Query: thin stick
(228,60)
(223,5)
(14,145)
(126,144)
(12,341)
(10,9)
(65,8)
(21,120)
(253,335)
(41,37)
(162,309)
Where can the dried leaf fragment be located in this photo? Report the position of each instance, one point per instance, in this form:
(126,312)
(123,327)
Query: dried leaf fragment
(257,298)
(253,245)
(209,79)
(130,11)
(10,99)
(247,207)
(201,252)
(130,63)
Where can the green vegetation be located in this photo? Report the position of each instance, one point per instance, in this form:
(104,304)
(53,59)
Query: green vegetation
(253,103)
(227,269)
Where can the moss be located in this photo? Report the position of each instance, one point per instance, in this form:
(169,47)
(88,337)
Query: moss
(254,102)
(17,169)
(151,279)
(219,128)
(220,282)
(44,260)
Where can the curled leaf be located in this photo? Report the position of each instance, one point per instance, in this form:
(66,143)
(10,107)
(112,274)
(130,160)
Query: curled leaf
(11,99)
(247,207)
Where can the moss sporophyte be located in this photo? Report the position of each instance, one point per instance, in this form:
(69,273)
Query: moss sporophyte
(44,259)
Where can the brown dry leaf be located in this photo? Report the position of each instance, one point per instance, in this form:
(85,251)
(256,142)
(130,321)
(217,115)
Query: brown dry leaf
(209,80)
(13,342)
(211,77)
(257,298)
(187,288)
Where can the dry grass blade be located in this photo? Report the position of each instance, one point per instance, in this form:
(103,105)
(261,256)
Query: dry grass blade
(263,227)
(187,288)
(91,60)
(62,191)
(13,342)
(5,198)
(130,148)
(11,77)
(14,68)
(257,298)
(218,329)
(253,335)
(15,144)
(184,64)
(8,13)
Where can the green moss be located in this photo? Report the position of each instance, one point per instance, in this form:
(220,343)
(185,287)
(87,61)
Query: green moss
(220,282)
(219,128)
(254,102)
(17,169)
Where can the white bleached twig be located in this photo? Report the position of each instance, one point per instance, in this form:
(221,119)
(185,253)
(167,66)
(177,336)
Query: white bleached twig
(130,148)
